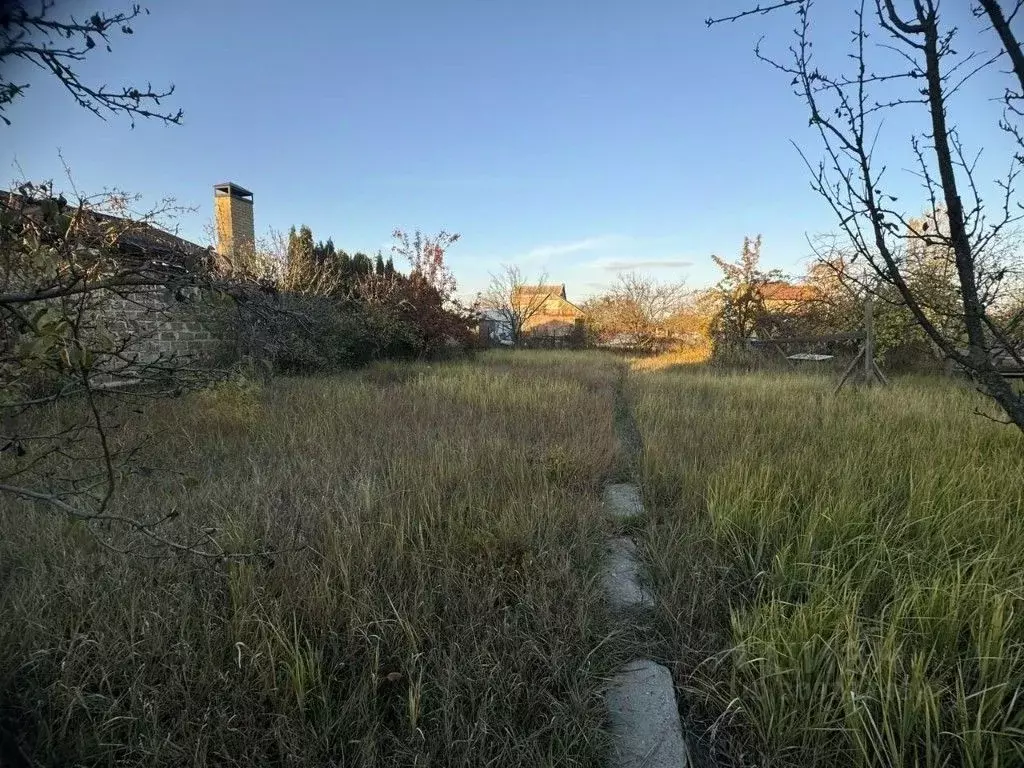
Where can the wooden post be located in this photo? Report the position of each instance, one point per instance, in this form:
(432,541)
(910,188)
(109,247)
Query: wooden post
(869,340)
(850,369)
(866,354)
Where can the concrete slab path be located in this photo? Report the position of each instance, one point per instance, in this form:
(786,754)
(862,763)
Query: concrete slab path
(641,698)
(621,577)
(622,500)
(644,719)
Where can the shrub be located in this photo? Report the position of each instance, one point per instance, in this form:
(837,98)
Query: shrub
(388,317)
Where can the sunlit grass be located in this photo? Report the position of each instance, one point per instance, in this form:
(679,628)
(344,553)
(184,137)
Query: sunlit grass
(691,355)
(443,609)
(841,578)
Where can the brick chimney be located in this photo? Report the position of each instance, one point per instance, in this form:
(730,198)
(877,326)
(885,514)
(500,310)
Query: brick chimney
(236,233)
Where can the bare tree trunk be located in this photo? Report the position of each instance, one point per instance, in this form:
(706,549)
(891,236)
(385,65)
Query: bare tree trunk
(979,348)
(1010,43)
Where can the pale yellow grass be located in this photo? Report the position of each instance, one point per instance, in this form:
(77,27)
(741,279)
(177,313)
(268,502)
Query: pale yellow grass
(694,355)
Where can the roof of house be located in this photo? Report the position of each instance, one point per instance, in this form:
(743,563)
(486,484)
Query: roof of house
(557,290)
(780,290)
(134,239)
(528,294)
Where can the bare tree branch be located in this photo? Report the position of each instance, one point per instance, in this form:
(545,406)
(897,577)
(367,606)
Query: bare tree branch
(30,33)
(757,10)
(639,311)
(513,300)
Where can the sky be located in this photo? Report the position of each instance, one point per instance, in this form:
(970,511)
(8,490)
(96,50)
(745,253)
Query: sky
(576,138)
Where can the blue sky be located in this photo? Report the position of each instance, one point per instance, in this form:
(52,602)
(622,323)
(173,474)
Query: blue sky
(580,137)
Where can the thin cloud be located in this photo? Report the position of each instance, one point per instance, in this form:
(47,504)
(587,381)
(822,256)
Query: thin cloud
(625,266)
(577,246)
(456,182)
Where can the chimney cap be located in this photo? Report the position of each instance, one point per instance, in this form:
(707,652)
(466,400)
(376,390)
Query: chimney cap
(232,189)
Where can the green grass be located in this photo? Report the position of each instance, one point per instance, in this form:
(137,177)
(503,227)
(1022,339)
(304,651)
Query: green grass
(443,608)
(841,579)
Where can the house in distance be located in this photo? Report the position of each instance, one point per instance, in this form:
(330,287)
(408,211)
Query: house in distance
(550,312)
(549,318)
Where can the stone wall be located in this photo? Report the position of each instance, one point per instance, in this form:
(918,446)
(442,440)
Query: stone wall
(161,324)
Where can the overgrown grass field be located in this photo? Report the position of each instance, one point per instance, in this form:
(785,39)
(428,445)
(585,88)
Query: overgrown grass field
(436,602)
(841,579)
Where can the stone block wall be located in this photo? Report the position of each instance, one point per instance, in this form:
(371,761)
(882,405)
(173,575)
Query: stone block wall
(158,324)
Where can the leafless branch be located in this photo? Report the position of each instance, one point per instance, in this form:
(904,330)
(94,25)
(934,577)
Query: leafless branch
(31,33)
(514,301)
(757,10)
(148,530)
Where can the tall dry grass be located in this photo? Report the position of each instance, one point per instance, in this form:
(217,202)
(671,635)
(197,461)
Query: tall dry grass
(442,611)
(841,579)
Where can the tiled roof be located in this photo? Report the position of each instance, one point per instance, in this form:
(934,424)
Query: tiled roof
(783,291)
(542,290)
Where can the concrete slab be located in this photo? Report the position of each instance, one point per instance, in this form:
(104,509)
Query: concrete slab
(622,500)
(644,719)
(621,577)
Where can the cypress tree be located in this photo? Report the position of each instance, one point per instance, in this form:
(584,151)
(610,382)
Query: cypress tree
(362,265)
(345,267)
